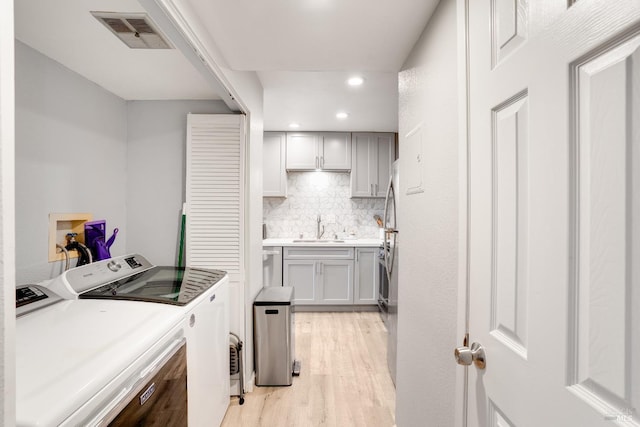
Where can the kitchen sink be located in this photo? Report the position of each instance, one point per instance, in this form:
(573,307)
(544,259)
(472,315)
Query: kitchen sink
(316,241)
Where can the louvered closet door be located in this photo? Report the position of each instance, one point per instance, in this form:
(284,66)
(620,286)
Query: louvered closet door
(215,192)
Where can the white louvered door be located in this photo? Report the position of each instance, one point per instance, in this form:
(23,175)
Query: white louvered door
(215,193)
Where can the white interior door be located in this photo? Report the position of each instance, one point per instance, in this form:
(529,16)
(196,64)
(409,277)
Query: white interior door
(554,212)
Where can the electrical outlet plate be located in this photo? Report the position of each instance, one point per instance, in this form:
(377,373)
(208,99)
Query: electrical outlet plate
(59,225)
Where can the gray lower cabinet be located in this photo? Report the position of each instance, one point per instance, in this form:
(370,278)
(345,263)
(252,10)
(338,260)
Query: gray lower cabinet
(317,278)
(366,277)
(301,274)
(336,281)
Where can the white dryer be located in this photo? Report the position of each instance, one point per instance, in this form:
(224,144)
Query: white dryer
(85,362)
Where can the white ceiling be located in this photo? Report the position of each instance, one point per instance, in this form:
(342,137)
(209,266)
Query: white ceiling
(313,98)
(68,33)
(315,35)
(303,50)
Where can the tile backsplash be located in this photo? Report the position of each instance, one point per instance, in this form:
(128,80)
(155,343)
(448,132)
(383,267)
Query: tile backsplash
(321,193)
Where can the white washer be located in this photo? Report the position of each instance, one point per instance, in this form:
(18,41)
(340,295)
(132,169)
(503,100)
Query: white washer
(200,295)
(77,361)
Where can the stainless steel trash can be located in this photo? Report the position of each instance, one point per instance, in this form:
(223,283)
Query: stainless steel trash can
(273,334)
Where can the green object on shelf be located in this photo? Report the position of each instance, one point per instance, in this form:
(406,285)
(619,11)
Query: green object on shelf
(182,231)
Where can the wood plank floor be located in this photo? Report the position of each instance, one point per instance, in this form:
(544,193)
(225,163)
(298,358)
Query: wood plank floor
(344,380)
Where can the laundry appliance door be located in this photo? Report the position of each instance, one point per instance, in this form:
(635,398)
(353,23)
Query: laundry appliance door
(77,360)
(162,397)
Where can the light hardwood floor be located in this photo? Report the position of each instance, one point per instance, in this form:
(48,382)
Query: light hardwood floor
(344,380)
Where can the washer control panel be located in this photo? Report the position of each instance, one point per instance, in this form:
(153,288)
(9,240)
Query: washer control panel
(114,266)
(91,276)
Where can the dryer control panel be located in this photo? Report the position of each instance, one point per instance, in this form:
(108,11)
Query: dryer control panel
(33,297)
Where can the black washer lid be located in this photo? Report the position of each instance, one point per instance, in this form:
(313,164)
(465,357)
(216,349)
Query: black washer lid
(275,295)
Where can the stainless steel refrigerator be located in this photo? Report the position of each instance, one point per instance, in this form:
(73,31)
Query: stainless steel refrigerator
(392,255)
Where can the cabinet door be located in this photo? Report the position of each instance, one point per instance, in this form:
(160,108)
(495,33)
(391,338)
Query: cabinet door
(385,155)
(373,154)
(363,158)
(335,153)
(274,174)
(366,279)
(336,280)
(301,274)
(302,151)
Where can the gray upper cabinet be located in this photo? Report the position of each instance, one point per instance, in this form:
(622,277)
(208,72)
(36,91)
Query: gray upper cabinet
(336,151)
(372,154)
(302,151)
(274,174)
(319,150)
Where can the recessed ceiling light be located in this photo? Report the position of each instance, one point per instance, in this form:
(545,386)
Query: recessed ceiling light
(355,81)
(294,125)
(342,115)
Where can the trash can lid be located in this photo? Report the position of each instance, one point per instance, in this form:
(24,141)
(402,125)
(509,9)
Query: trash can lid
(275,295)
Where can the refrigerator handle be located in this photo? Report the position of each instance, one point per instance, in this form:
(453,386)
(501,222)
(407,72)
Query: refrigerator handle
(386,205)
(390,233)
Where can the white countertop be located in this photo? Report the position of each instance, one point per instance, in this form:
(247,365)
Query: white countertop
(323,243)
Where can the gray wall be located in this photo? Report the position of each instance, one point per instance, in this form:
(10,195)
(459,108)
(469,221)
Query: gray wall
(71,138)
(79,148)
(427,306)
(156,174)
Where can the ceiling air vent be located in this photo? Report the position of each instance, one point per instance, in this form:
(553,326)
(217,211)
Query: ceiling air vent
(135,29)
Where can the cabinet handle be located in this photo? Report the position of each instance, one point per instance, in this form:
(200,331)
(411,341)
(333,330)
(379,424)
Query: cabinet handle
(321,162)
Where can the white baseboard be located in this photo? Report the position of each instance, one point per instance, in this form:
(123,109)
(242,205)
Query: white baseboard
(250,383)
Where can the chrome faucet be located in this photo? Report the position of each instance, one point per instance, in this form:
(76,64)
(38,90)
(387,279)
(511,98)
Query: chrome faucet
(319,233)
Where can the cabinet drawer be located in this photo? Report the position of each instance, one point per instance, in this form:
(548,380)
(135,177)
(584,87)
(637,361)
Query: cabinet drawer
(318,253)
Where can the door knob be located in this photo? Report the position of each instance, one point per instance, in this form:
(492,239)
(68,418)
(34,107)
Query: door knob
(465,355)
